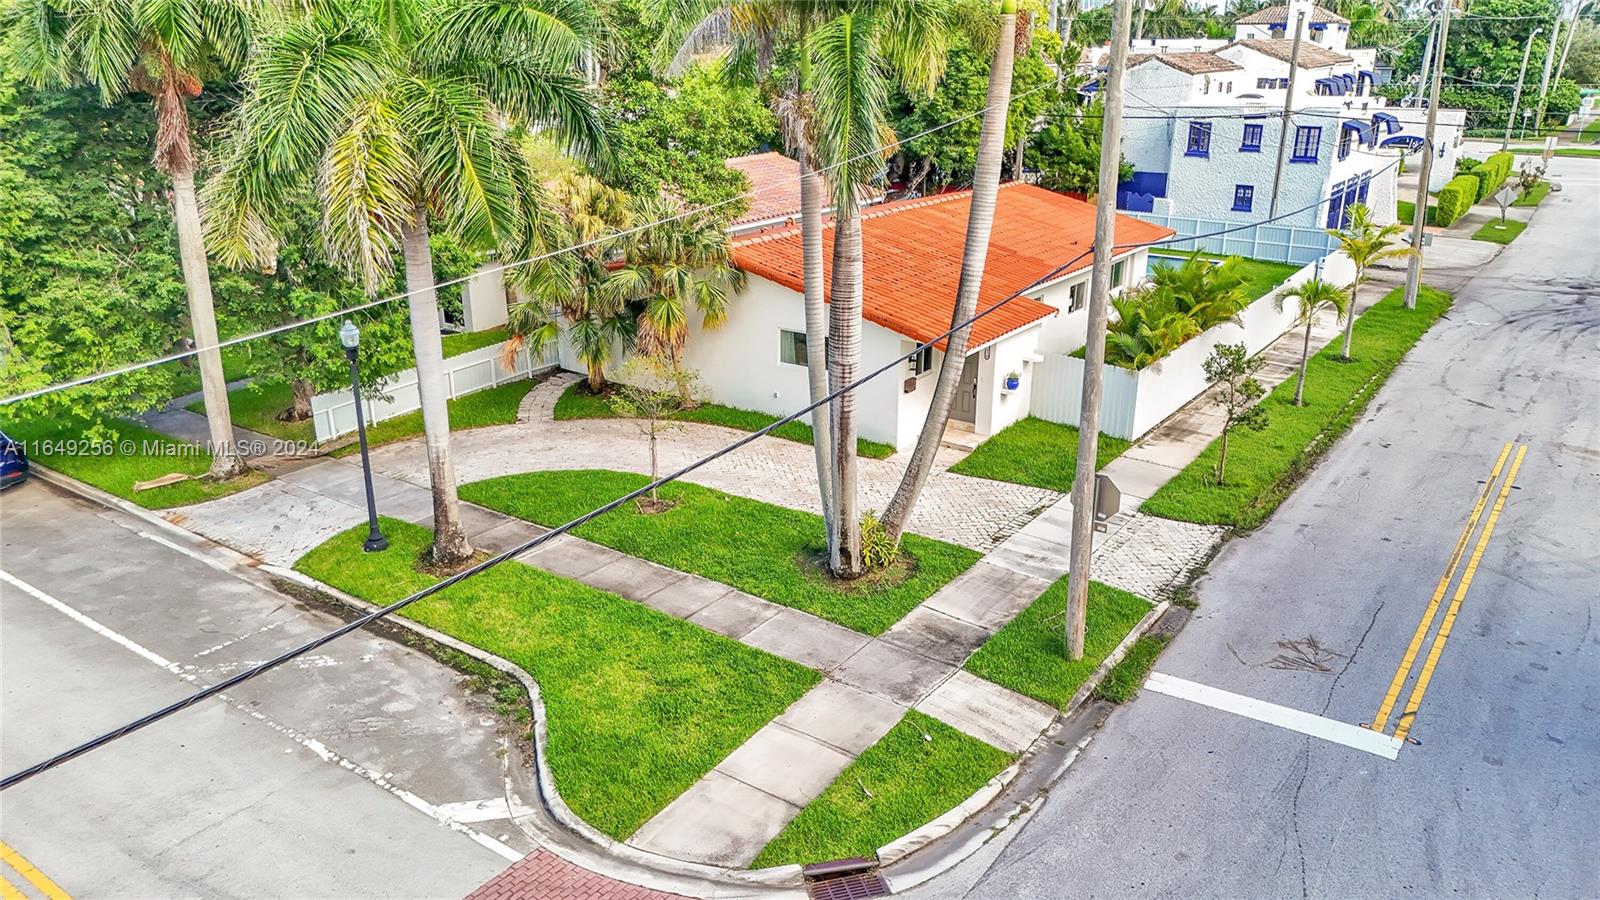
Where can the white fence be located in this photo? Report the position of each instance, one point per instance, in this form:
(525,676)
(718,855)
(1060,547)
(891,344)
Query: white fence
(334,413)
(1281,243)
(1133,402)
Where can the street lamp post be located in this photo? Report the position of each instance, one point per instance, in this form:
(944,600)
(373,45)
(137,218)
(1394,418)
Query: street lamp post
(350,337)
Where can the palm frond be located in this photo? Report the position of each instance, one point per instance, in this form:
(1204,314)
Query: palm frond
(464,163)
(850,98)
(103,44)
(36,32)
(368,184)
(552,34)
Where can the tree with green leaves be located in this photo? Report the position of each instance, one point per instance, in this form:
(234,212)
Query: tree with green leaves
(1311,297)
(1366,243)
(1231,372)
(167,50)
(398,112)
(975,252)
(653,391)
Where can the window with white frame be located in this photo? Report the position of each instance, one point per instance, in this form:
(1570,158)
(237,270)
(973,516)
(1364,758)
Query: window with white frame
(792,347)
(1116,273)
(1077,295)
(921,362)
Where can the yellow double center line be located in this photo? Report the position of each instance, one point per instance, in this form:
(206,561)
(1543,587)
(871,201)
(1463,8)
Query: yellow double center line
(1380,722)
(27,870)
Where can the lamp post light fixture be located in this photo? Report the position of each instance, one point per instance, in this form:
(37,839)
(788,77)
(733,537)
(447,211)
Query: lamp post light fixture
(350,337)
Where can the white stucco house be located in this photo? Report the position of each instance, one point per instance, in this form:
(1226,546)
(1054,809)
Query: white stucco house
(1204,124)
(1042,246)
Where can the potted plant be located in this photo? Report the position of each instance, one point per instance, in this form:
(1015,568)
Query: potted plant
(1013,380)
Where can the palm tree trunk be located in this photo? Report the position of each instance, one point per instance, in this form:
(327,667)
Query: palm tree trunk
(811,190)
(225,459)
(1305,355)
(450,545)
(1067,15)
(844,359)
(980,222)
(1350,318)
(1138,31)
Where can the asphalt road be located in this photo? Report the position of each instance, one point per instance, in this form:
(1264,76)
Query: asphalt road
(1315,610)
(322,779)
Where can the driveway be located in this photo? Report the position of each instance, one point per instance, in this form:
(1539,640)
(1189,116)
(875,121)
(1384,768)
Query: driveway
(1187,792)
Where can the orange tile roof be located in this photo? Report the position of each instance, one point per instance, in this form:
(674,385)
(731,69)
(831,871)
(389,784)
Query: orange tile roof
(911,253)
(775,179)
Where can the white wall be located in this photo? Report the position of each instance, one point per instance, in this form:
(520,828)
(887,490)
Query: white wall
(998,407)
(483,298)
(1064,332)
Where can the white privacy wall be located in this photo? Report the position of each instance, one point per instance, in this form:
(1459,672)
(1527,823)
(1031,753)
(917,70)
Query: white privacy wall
(334,413)
(1133,402)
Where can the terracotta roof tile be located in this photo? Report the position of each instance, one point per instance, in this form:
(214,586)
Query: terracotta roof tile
(775,178)
(1311,56)
(911,254)
(1272,15)
(1192,63)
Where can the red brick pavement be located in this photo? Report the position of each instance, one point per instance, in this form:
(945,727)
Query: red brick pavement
(542,875)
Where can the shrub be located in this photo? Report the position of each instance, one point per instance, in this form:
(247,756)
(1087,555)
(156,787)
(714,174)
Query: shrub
(1493,172)
(878,548)
(1456,198)
(1466,165)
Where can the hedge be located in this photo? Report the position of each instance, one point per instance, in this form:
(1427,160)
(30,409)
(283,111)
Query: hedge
(1455,199)
(1492,173)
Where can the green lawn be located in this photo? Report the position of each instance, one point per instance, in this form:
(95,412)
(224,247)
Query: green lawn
(1590,132)
(1405,210)
(1029,655)
(769,551)
(234,361)
(1122,683)
(490,406)
(640,705)
(1263,466)
(256,406)
(1534,195)
(1579,152)
(466,341)
(911,776)
(1262,276)
(1036,452)
(109,465)
(578,403)
(1496,233)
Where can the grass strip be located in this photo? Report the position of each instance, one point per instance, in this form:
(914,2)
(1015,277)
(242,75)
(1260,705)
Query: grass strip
(912,775)
(112,455)
(1035,452)
(1264,466)
(490,406)
(1405,210)
(467,341)
(1578,152)
(641,705)
(769,551)
(1496,232)
(577,402)
(1029,655)
(1122,683)
(1533,196)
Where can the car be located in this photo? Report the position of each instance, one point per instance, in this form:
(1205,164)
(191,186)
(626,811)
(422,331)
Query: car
(13,462)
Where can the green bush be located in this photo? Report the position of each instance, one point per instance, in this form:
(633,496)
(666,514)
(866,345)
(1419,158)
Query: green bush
(1455,199)
(1492,173)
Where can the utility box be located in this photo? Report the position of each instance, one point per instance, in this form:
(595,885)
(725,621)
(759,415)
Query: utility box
(1107,501)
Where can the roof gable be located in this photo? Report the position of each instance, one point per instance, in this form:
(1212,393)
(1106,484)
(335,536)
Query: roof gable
(1274,15)
(1311,56)
(1192,63)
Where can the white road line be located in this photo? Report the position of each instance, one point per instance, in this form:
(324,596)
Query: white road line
(304,740)
(1353,736)
(487,810)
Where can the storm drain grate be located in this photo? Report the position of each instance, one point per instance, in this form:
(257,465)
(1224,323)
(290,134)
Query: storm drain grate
(844,879)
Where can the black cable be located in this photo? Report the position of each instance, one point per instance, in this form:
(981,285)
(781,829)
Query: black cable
(261,668)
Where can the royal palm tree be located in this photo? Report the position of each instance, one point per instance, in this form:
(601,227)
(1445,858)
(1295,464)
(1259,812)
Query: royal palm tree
(399,110)
(577,300)
(1311,297)
(166,50)
(1366,243)
(975,251)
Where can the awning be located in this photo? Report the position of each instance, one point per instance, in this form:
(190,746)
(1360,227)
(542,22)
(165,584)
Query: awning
(1389,123)
(1404,142)
(1364,132)
(1333,85)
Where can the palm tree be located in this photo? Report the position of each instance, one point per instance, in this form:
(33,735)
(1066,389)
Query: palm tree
(1365,243)
(594,317)
(400,109)
(975,251)
(1210,292)
(165,50)
(667,268)
(1311,297)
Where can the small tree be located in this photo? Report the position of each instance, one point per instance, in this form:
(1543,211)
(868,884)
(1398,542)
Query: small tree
(651,391)
(1366,243)
(1531,173)
(1311,297)
(1232,371)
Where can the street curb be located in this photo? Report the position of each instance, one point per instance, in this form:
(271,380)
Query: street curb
(896,852)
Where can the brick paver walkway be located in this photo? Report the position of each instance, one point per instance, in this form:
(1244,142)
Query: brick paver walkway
(542,875)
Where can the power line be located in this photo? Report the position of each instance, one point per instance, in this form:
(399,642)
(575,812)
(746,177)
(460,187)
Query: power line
(261,668)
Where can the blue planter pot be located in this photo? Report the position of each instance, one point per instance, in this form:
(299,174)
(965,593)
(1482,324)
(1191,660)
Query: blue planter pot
(1013,383)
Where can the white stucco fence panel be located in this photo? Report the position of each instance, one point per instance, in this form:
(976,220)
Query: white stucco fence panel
(1133,402)
(334,413)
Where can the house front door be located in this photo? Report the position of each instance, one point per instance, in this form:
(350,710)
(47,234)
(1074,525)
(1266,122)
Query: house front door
(965,405)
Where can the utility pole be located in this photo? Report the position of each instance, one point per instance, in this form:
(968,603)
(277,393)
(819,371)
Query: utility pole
(1516,98)
(1420,214)
(1094,352)
(1427,63)
(1284,134)
(1544,82)
(1572,26)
